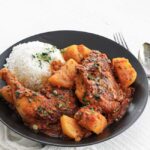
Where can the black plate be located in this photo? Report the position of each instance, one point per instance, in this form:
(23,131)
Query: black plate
(62,39)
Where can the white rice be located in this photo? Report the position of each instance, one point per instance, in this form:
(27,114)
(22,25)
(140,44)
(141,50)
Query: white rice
(28,69)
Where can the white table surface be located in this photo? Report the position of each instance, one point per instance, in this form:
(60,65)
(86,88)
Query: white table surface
(23,18)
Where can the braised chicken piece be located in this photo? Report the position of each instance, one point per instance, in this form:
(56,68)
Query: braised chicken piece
(64,99)
(96,84)
(38,111)
(7,93)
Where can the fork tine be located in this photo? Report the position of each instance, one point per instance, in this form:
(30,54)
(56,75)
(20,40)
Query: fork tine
(121,40)
(114,36)
(124,42)
(118,37)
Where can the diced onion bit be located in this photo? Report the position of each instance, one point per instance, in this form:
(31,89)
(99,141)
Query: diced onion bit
(35,127)
(55,92)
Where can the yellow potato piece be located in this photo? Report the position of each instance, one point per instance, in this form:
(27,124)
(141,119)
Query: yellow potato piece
(72,52)
(99,125)
(124,71)
(65,76)
(85,51)
(91,120)
(71,128)
(80,87)
(76,52)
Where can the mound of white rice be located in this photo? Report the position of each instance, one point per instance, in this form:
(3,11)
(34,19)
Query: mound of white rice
(30,62)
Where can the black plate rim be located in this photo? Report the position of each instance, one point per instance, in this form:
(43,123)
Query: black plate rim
(80,144)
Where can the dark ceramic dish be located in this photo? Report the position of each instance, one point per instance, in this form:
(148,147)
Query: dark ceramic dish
(62,39)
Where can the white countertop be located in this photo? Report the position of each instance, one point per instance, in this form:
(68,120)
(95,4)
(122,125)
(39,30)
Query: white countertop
(22,18)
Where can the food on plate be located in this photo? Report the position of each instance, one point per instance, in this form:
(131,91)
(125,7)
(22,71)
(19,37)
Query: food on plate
(80,87)
(76,52)
(70,93)
(56,65)
(99,86)
(7,94)
(30,62)
(91,119)
(65,76)
(124,70)
(35,108)
(71,128)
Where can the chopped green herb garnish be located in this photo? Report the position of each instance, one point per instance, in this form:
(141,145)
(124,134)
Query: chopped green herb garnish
(48,49)
(52,49)
(63,50)
(84,99)
(33,56)
(96,65)
(45,113)
(91,77)
(17,93)
(42,111)
(96,96)
(50,111)
(60,96)
(44,56)
(35,94)
(117,109)
(40,64)
(92,109)
(61,105)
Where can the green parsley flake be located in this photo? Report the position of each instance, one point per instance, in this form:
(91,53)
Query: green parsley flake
(91,77)
(44,56)
(17,94)
(96,96)
(63,50)
(61,105)
(96,65)
(84,99)
(92,109)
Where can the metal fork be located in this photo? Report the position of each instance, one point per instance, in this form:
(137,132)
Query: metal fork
(118,37)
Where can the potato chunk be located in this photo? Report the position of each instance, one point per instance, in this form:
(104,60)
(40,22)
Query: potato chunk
(72,52)
(71,128)
(76,52)
(65,76)
(84,50)
(91,120)
(124,71)
(80,87)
